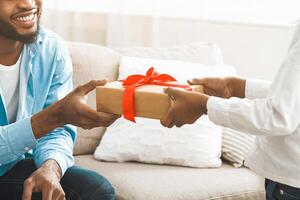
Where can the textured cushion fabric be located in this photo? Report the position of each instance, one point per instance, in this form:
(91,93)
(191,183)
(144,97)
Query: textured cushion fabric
(236,145)
(197,145)
(91,62)
(202,52)
(135,181)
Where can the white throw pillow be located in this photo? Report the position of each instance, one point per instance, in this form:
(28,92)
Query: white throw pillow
(197,145)
(147,141)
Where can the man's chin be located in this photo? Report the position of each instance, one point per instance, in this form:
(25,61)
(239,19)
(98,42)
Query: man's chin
(27,39)
(26,36)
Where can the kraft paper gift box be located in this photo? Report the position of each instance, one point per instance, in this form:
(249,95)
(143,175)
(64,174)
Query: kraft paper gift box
(149,101)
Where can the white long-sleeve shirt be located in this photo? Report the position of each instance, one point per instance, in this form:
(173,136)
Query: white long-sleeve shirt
(272,112)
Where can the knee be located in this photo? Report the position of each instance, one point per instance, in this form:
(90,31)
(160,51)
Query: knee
(100,187)
(87,185)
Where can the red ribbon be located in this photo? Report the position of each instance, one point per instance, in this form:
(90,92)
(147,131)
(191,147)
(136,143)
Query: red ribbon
(134,81)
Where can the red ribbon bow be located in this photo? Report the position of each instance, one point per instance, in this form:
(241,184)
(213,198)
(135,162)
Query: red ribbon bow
(134,81)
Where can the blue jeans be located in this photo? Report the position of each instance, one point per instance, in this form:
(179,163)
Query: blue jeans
(278,191)
(77,183)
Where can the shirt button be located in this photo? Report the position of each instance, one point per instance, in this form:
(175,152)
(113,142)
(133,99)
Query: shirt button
(26,149)
(281,192)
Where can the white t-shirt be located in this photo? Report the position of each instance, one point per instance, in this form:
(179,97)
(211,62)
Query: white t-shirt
(9,85)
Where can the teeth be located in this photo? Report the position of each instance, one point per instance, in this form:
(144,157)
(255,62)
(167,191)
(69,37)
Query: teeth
(27,18)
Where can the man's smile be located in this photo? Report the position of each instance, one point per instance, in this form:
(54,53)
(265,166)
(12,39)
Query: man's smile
(26,19)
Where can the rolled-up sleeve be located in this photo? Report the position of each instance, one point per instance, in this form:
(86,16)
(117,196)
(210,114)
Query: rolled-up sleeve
(58,144)
(15,140)
(273,112)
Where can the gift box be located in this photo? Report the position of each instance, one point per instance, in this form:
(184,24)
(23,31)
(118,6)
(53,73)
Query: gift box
(139,96)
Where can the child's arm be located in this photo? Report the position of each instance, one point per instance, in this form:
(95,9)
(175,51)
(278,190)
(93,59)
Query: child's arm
(222,87)
(187,107)
(234,87)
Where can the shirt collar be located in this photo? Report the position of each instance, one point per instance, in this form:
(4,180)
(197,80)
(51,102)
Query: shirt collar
(33,47)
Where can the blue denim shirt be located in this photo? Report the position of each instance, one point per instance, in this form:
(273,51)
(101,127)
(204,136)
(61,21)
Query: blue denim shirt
(45,77)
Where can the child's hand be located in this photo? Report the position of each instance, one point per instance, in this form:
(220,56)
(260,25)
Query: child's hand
(186,107)
(222,87)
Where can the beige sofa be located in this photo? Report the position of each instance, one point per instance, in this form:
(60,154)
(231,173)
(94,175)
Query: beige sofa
(136,181)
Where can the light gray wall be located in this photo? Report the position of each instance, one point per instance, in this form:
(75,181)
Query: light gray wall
(255,50)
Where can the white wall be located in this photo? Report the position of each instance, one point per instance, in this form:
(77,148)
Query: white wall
(256,50)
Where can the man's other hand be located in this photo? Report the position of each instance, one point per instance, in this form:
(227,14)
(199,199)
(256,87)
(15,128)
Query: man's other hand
(46,180)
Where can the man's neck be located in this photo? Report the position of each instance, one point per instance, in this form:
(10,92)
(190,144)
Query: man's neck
(10,51)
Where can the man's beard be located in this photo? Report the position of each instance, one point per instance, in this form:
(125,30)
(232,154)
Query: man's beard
(10,32)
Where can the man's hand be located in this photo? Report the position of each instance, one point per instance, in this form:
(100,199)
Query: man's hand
(222,87)
(186,107)
(46,180)
(72,110)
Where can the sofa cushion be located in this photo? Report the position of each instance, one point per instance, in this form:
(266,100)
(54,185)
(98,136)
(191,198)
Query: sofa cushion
(134,181)
(91,62)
